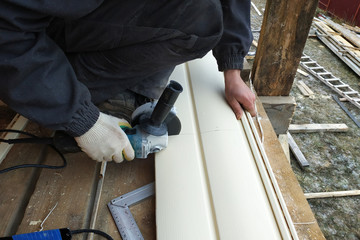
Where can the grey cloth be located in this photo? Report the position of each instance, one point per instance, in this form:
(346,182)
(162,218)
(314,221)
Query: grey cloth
(59,58)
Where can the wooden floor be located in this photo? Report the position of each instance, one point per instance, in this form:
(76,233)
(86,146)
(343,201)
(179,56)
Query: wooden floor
(28,195)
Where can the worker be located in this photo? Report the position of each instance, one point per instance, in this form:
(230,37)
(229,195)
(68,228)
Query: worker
(62,60)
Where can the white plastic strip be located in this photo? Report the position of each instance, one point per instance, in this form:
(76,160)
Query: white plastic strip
(18,123)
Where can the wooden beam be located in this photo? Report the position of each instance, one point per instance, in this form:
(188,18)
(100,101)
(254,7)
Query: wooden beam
(282,40)
(332,194)
(301,128)
(297,153)
(296,202)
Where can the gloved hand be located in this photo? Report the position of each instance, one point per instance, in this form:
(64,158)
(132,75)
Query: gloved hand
(106,141)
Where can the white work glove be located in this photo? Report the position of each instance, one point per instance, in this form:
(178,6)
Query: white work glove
(106,141)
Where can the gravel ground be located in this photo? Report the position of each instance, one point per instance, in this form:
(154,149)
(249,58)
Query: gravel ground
(334,157)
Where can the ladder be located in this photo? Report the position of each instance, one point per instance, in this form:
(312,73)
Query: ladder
(330,80)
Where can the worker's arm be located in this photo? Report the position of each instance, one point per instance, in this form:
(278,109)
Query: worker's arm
(37,80)
(237,35)
(230,53)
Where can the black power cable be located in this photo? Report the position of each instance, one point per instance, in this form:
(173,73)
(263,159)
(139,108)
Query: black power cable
(98,232)
(32,139)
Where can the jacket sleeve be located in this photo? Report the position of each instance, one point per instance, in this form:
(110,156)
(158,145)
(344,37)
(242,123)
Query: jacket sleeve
(237,35)
(37,80)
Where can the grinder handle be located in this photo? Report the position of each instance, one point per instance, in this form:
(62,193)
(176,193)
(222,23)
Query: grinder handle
(165,103)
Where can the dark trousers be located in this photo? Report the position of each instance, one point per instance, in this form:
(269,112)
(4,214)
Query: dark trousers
(135,44)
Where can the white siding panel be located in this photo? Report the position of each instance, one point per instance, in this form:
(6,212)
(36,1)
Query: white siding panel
(182,198)
(208,184)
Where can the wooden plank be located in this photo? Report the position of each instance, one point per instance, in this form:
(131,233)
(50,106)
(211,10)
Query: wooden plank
(281,45)
(71,188)
(123,178)
(307,89)
(16,186)
(303,90)
(353,38)
(302,72)
(355,29)
(297,204)
(297,153)
(308,128)
(18,123)
(338,45)
(348,193)
(283,139)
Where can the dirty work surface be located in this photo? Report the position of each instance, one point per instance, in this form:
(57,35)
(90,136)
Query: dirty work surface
(28,195)
(6,115)
(334,157)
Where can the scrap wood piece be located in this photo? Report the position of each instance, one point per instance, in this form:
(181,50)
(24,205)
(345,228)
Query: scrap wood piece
(18,123)
(305,90)
(302,72)
(297,153)
(255,43)
(283,139)
(308,128)
(346,110)
(256,9)
(310,92)
(332,194)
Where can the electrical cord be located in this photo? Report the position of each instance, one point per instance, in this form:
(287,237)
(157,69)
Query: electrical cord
(32,139)
(98,232)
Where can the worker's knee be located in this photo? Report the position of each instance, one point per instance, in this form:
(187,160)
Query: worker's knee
(201,19)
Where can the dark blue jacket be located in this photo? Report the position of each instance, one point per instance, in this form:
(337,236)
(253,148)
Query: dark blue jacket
(37,76)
